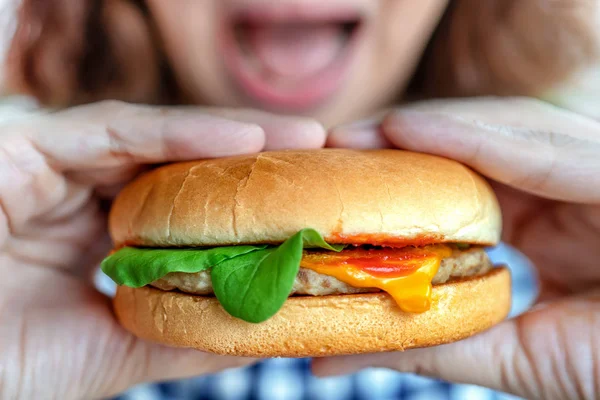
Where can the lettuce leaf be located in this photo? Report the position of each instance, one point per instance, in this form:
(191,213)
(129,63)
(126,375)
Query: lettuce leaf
(254,287)
(136,267)
(250,282)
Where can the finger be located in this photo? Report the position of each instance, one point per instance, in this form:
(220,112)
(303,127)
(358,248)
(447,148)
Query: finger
(150,134)
(545,354)
(360,135)
(105,177)
(524,144)
(64,333)
(282,132)
(142,361)
(63,242)
(106,141)
(113,134)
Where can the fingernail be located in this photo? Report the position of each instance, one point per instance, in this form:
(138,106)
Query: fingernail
(362,135)
(227,137)
(420,131)
(409,118)
(414,121)
(297,133)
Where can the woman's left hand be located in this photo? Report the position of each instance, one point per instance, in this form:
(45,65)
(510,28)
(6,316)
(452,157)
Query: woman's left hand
(544,163)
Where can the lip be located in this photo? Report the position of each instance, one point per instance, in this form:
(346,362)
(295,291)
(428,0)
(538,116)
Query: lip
(291,12)
(314,90)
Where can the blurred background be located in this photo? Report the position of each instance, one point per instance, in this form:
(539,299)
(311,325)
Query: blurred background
(116,49)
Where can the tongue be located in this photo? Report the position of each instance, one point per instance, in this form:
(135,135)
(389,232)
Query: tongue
(295,51)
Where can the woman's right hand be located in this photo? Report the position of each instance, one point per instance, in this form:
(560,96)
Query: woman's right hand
(59,336)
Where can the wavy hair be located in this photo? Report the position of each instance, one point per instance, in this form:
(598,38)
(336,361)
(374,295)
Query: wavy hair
(74,51)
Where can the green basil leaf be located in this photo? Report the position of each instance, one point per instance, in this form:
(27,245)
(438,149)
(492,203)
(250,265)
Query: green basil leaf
(240,286)
(313,239)
(255,286)
(135,267)
(463,246)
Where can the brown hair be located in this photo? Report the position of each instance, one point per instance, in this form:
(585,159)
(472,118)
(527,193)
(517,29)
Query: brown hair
(509,47)
(73,51)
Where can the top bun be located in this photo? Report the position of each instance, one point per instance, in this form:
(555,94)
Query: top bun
(349,196)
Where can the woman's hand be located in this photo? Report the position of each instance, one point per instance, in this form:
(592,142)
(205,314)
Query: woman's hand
(545,166)
(59,338)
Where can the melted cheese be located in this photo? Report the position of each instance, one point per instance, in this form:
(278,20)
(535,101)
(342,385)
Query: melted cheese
(405,274)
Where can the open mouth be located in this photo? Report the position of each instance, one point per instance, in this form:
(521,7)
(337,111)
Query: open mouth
(290,62)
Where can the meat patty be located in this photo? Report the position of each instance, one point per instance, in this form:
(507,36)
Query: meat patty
(462,263)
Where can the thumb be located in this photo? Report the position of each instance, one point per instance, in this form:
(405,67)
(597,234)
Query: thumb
(522,143)
(548,353)
(139,361)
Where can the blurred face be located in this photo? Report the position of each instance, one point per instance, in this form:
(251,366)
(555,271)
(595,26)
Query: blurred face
(336,60)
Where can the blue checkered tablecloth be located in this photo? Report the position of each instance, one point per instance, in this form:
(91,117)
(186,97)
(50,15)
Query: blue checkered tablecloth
(290,379)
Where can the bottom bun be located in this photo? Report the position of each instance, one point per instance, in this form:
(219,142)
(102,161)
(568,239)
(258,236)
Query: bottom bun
(317,326)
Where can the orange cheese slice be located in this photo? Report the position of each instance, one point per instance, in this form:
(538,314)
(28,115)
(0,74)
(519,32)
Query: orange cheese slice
(405,274)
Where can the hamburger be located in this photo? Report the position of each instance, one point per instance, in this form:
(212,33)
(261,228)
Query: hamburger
(307,253)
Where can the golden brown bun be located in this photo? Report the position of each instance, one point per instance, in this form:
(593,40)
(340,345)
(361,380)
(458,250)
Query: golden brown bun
(317,326)
(346,195)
